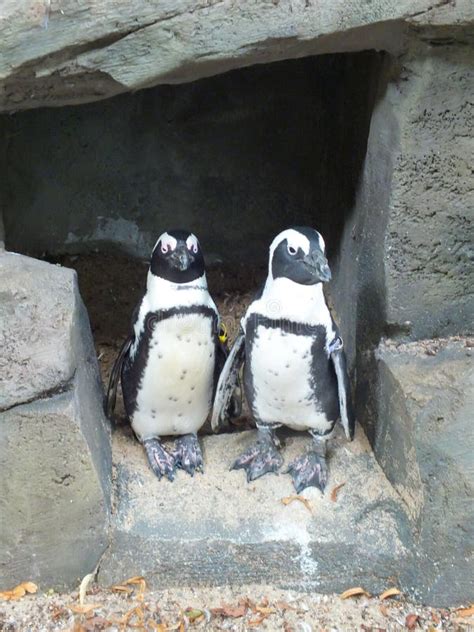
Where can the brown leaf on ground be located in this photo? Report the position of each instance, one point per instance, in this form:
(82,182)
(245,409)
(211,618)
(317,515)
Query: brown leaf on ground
(354,592)
(282,605)
(265,610)
(134,580)
(84,608)
(121,589)
(390,592)
(253,623)
(158,627)
(230,611)
(30,587)
(335,491)
(15,593)
(384,610)
(289,499)
(465,612)
(411,621)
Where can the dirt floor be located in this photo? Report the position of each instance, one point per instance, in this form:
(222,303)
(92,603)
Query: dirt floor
(130,606)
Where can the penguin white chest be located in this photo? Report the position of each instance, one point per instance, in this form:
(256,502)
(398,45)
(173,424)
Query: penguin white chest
(281,369)
(175,392)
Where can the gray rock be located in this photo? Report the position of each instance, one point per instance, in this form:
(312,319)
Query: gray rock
(424,442)
(55,454)
(53,55)
(217,529)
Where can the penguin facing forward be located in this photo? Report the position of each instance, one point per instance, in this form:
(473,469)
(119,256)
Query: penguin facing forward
(171,360)
(295,371)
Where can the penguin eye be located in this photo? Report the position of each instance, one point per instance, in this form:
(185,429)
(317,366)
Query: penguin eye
(164,248)
(194,248)
(292,250)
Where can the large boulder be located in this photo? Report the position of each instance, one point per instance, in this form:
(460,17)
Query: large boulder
(424,438)
(74,52)
(55,453)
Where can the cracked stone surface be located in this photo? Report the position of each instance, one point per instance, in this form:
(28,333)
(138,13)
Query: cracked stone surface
(216,529)
(65,53)
(55,454)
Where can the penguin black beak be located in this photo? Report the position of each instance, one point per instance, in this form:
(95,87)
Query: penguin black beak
(181,258)
(318,266)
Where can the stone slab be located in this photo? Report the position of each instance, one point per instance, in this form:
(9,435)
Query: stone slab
(77,52)
(424,440)
(55,455)
(216,529)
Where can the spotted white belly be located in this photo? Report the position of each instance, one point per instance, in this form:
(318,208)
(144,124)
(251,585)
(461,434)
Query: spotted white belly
(175,393)
(281,370)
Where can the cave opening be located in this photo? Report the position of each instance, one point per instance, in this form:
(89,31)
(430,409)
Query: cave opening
(235,158)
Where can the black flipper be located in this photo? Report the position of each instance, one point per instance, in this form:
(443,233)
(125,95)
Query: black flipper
(228,381)
(115,377)
(338,357)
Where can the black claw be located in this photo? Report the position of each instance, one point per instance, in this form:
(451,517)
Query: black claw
(188,455)
(260,458)
(161,461)
(309,470)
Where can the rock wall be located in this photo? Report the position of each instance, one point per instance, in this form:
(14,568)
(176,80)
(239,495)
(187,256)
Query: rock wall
(73,52)
(236,158)
(55,456)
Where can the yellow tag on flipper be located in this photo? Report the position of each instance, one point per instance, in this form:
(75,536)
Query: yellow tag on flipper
(222,332)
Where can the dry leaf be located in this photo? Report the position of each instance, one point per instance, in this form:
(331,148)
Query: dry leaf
(230,611)
(30,587)
(282,605)
(264,610)
(335,491)
(384,610)
(83,587)
(253,623)
(390,592)
(465,612)
(411,621)
(354,592)
(119,588)
(78,608)
(135,580)
(289,499)
(158,627)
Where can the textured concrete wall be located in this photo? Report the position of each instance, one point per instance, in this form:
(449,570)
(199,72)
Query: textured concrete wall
(55,458)
(235,158)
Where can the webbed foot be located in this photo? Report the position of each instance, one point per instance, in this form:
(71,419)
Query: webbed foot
(160,460)
(261,457)
(187,454)
(309,470)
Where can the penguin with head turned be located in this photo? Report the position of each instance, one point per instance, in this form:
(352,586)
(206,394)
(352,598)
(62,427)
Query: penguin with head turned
(171,360)
(295,371)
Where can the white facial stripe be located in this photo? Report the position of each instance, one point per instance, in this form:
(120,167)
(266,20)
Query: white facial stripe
(322,245)
(167,242)
(294,239)
(192,243)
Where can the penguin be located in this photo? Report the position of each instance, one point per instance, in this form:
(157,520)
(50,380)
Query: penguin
(295,371)
(170,362)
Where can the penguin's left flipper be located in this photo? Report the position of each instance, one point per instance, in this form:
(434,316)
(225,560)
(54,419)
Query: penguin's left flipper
(234,408)
(228,381)
(115,377)
(346,409)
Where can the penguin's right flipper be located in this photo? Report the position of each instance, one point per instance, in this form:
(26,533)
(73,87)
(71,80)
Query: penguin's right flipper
(346,408)
(115,377)
(228,381)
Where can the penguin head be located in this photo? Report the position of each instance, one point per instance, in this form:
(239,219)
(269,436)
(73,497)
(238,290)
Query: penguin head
(298,254)
(177,257)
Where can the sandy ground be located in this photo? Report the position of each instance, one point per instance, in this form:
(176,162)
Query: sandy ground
(255,608)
